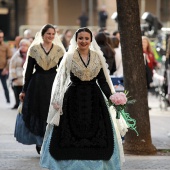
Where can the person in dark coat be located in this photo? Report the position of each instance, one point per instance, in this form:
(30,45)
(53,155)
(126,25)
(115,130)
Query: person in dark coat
(83,20)
(103,16)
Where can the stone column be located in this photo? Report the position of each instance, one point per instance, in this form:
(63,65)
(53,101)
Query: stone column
(55,12)
(37,12)
(91,13)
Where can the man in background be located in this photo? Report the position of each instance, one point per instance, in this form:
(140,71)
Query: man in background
(5,55)
(102,17)
(83,20)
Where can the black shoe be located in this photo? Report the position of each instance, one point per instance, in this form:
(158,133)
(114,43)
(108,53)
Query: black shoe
(38,149)
(15,107)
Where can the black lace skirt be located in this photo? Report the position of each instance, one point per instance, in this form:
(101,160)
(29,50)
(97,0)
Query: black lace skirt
(37,101)
(85,130)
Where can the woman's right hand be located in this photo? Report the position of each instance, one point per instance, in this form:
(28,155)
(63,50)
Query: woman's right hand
(22,96)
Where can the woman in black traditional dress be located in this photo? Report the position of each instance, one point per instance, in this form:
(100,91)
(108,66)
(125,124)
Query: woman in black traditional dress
(44,56)
(80,132)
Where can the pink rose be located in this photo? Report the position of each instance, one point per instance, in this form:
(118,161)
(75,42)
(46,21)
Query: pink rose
(118,98)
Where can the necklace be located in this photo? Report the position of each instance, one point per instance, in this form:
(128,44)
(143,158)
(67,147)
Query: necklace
(85,59)
(47,49)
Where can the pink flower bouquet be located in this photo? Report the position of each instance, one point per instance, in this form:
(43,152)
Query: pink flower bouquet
(118,98)
(119,101)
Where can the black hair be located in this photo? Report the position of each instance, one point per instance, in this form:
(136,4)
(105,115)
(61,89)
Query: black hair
(101,38)
(84,29)
(1,31)
(115,41)
(115,32)
(45,28)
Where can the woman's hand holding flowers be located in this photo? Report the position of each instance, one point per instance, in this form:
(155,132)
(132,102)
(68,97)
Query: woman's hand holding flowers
(118,98)
(119,101)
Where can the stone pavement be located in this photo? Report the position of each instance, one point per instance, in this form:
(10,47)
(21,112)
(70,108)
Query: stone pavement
(15,156)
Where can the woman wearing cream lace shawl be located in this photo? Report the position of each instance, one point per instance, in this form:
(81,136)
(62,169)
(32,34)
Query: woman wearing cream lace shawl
(82,132)
(42,61)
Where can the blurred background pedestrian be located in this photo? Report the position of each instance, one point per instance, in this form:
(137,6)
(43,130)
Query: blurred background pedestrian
(28,35)
(167,72)
(83,20)
(5,55)
(102,17)
(108,52)
(16,44)
(150,63)
(149,55)
(16,69)
(118,57)
(66,37)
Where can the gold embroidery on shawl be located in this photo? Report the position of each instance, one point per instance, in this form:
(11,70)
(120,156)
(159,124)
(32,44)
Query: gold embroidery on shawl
(89,72)
(46,61)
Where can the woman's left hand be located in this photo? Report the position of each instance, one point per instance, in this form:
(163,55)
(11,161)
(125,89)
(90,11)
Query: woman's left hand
(22,96)
(4,72)
(56,106)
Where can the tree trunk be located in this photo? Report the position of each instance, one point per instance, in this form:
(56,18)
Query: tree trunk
(134,77)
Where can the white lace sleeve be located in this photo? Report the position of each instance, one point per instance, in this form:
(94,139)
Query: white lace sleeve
(60,85)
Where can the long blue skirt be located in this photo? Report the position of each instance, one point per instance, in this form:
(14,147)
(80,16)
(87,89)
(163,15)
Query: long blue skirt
(23,135)
(47,161)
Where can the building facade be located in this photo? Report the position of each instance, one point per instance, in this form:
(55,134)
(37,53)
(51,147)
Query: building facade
(18,15)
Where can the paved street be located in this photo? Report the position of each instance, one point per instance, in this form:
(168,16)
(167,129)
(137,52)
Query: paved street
(15,156)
